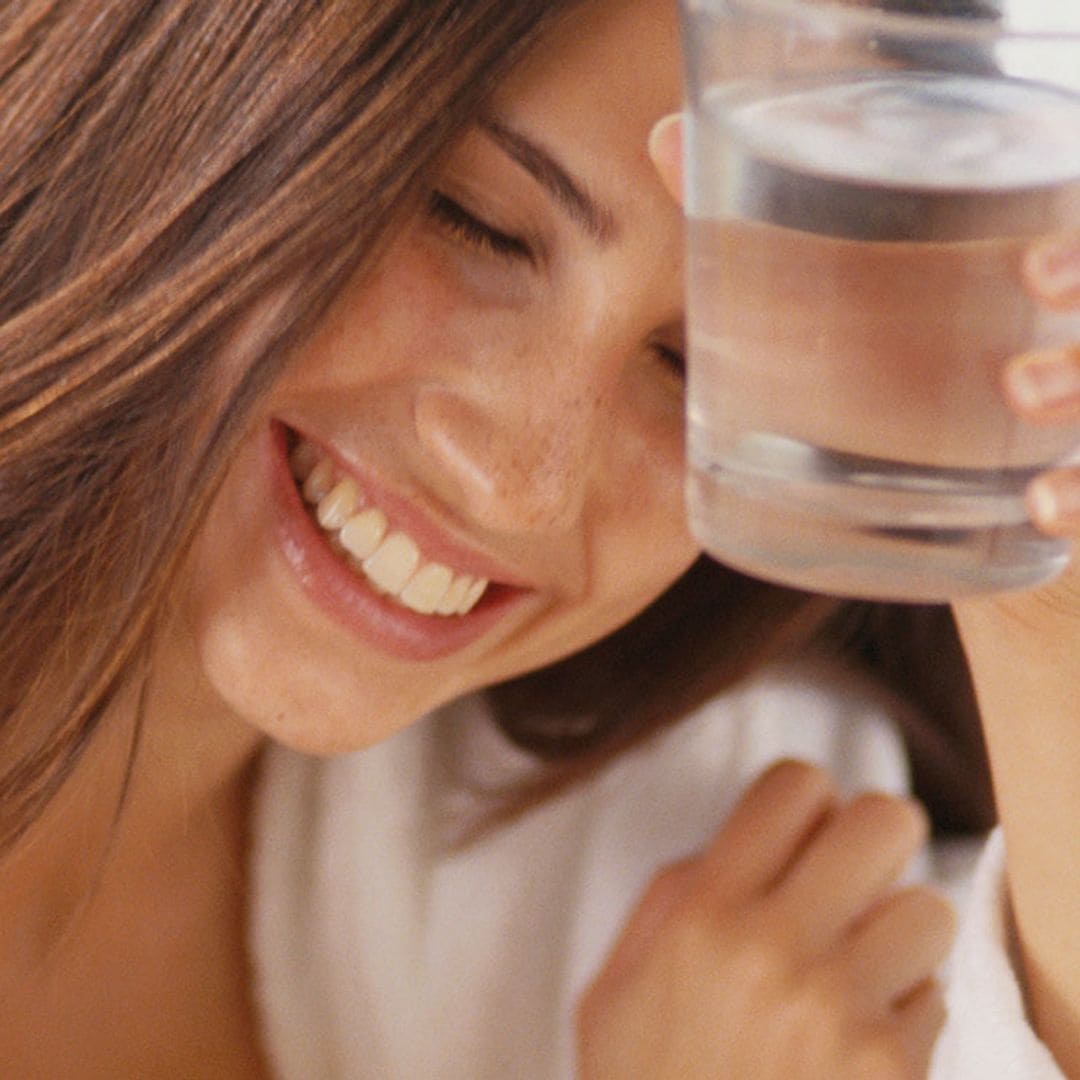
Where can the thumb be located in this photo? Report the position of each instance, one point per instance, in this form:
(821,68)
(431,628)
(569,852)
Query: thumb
(665,150)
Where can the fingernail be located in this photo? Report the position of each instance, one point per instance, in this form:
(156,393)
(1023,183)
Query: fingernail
(1053,267)
(1046,379)
(1054,500)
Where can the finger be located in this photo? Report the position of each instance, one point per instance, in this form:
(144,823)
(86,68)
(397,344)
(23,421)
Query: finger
(778,814)
(851,862)
(645,924)
(918,1021)
(1053,500)
(896,947)
(665,149)
(1045,386)
(1051,271)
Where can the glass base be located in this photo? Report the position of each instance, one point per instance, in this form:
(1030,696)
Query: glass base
(850,526)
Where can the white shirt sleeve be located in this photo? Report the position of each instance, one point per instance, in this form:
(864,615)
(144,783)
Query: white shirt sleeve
(987,1035)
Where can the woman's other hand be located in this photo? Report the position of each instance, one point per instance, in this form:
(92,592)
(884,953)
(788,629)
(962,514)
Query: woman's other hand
(784,950)
(1022,648)
(1044,387)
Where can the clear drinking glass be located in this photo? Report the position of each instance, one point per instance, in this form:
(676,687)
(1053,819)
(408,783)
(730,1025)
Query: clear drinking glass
(863,179)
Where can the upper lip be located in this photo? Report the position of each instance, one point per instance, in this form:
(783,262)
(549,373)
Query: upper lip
(437,539)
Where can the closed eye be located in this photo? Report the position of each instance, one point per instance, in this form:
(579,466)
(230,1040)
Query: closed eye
(474,231)
(672,358)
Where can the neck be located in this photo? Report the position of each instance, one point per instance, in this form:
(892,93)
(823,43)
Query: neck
(1029,695)
(123,949)
(162,787)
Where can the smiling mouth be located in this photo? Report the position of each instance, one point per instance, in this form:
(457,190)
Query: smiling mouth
(386,557)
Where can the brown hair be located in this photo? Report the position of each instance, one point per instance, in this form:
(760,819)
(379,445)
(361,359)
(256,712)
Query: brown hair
(712,628)
(165,166)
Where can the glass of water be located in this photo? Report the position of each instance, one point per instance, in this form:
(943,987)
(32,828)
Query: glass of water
(863,180)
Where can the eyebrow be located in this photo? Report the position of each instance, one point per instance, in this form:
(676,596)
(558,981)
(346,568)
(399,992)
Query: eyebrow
(569,193)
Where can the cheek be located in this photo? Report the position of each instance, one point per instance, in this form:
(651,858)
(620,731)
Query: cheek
(235,607)
(260,649)
(388,327)
(645,470)
(642,541)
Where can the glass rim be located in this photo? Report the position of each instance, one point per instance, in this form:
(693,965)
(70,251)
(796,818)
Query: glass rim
(922,25)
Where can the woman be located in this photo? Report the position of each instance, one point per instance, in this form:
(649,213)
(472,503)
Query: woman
(333,337)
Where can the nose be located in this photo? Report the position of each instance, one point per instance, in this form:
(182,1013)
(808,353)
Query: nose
(520,450)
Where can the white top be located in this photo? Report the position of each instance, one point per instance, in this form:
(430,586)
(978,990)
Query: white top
(387,949)
(987,1036)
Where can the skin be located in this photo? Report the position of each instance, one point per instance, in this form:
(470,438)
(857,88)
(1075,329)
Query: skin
(509,403)
(1022,649)
(1023,652)
(782,950)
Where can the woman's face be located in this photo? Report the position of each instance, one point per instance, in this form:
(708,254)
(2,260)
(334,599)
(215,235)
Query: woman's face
(500,403)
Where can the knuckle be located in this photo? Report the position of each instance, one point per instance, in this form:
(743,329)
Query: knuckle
(930,910)
(760,961)
(693,933)
(880,1056)
(800,780)
(812,1019)
(919,920)
(902,820)
(923,1009)
(669,887)
(934,1013)
(675,912)
(823,999)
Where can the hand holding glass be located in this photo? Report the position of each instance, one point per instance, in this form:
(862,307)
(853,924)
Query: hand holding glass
(862,188)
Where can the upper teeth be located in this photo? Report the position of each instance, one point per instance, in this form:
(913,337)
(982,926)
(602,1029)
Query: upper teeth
(389,558)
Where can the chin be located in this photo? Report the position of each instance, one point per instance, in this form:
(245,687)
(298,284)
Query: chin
(304,704)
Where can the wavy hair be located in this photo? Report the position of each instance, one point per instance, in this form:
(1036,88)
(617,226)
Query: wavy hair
(165,165)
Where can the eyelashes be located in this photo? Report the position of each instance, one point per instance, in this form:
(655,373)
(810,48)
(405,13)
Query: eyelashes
(671,358)
(476,232)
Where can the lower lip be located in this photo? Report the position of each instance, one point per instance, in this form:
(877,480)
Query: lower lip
(350,600)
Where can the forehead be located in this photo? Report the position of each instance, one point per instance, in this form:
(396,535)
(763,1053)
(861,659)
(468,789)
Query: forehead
(603,76)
